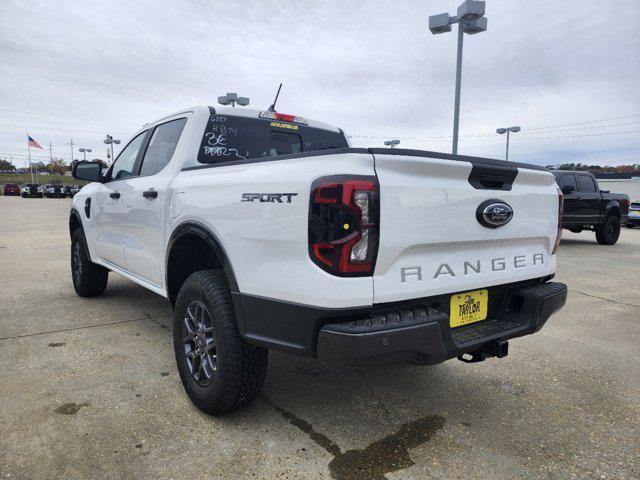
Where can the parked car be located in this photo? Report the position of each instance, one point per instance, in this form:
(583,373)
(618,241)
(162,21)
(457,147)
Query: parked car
(54,191)
(68,191)
(75,189)
(586,207)
(634,215)
(11,189)
(32,190)
(267,231)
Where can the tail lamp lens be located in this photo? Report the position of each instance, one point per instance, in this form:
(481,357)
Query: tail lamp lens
(343,225)
(560,211)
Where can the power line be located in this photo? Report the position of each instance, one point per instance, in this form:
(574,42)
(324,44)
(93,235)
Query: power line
(478,139)
(584,123)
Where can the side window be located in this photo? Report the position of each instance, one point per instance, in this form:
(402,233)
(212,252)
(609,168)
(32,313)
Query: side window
(161,146)
(568,179)
(585,184)
(123,166)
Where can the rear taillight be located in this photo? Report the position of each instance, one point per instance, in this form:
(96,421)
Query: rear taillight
(560,209)
(343,225)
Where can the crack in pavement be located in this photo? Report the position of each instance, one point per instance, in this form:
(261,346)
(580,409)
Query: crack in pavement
(605,299)
(378,400)
(83,327)
(383,456)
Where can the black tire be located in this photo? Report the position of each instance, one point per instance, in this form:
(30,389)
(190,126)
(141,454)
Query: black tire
(575,230)
(89,279)
(630,225)
(609,232)
(218,369)
(23,195)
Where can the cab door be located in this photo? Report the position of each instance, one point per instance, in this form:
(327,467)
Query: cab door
(106,205)
(590,198)
(571,212)
(145,203)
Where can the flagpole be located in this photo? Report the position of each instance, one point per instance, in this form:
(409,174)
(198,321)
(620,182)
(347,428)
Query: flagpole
(29,149)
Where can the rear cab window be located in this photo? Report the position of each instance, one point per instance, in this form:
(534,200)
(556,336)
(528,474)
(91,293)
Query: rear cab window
(566,179)
(229,138)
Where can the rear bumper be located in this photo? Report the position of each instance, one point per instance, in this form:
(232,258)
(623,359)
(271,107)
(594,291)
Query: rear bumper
(417,330)
(424,335)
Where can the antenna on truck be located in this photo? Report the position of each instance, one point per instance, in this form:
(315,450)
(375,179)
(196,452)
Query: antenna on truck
(272,108)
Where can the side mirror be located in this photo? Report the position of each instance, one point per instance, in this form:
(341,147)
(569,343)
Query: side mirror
(568,189)
(91,171)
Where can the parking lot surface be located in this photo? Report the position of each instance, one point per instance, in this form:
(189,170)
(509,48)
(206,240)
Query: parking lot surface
(89,387)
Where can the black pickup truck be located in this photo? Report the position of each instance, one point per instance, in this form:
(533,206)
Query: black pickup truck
(586,207)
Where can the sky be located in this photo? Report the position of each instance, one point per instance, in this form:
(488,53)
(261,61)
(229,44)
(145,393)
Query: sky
(566,72)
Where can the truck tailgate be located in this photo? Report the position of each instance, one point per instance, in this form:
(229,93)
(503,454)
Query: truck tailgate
(430,239)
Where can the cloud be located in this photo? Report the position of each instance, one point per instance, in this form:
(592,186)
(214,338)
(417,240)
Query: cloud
(80,70)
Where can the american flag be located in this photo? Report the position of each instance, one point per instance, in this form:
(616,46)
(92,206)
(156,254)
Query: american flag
(33,143)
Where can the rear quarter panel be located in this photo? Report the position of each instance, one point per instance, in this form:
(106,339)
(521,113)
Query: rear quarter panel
(267,242)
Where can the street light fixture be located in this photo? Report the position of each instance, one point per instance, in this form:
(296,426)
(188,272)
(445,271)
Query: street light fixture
(84,152)
(392,143)
(110,141)
(232,99)
(471,20)
(507,130)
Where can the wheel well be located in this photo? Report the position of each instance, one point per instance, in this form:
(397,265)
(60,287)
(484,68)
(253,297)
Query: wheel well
(188,254)
(74,223)
(614,211)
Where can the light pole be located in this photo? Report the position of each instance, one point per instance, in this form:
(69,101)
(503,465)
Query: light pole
(232,99)
(470,20)
(110,141)
(392,143)
(508,130)
(84,152)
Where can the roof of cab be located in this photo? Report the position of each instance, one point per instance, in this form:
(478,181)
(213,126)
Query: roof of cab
(239,112)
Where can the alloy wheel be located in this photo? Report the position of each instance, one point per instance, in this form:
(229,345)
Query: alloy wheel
(199,343)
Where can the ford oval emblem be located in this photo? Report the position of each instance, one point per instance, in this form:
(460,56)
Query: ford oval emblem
(494,213)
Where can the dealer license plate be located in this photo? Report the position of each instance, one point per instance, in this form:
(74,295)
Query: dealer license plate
(468,307)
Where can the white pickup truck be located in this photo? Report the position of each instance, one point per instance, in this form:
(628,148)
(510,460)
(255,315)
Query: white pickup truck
(268,231)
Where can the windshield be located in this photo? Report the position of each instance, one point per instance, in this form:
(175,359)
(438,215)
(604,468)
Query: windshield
(228,138)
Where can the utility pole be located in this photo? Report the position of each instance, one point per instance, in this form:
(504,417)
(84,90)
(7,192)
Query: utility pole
(71,143)
(110,141)
(470,20)
(507,130)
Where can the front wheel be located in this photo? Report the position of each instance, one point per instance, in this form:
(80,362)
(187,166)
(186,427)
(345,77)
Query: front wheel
(218,369)
(609,232)
(89,279)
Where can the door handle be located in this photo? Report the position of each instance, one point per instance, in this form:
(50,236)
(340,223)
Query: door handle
(115,195)
(150,193)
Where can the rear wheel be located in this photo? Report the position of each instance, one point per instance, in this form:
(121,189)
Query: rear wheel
(219,370)
(89,279)
(609,232)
